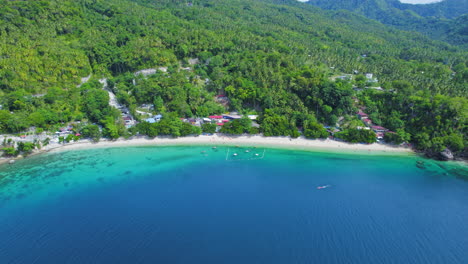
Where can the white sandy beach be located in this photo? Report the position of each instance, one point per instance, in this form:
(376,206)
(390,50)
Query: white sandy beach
(220,140)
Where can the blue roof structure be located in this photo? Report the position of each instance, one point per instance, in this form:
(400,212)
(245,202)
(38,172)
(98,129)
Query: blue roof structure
(150,120)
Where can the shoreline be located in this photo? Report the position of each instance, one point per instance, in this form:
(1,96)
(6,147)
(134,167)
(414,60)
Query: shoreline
(273,142)
(300,143)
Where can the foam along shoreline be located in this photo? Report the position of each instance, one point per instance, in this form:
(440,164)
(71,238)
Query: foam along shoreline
(256,140)
(301,143)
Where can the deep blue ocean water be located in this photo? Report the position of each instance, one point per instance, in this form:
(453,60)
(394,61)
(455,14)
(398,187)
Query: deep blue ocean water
(203,205)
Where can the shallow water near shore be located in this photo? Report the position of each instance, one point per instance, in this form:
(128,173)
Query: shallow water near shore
(203,205)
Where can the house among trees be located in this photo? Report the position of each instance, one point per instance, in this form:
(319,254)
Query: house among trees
(216,118)
(252,117)
(232,116)
(380,135)
(370,77)
(129,121)
(367,121)
(345,77)
(361,115)
(153,119)
(379,129)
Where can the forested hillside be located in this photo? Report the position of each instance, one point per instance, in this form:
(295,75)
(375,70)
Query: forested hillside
(441,21)
(274,58)
(442,9)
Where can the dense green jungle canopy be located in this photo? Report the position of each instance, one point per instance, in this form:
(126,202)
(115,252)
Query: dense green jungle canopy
(446,20)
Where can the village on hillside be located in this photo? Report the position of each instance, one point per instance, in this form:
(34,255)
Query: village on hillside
(146,113)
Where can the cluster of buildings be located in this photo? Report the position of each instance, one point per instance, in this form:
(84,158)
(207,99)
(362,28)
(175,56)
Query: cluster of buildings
(379,130)
(219,120)
(348,77)
(369,78)
(64,131)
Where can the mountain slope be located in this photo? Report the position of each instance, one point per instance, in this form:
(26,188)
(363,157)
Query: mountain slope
(442,9)
(436,20)
(445,9)
(73,39)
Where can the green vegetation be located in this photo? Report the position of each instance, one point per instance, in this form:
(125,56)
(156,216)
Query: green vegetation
(357,135)
(9,151)
(273,124)
(275,58)
(441,9)
(431,122)
(208,128)
(445,20)
(91,131)
(170,125)
(24,148)
(314,130)
(397,137)
(237,127)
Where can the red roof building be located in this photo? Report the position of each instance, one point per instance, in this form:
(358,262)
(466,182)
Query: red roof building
(216,117)
(361,114)
(367,121)
(379,129)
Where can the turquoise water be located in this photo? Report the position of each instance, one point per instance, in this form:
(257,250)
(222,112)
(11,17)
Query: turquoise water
(204,205)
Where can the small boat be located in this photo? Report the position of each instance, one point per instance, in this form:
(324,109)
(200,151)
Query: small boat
(323,187)
(214,147)
(235,154)
(247,151)
(256,154)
